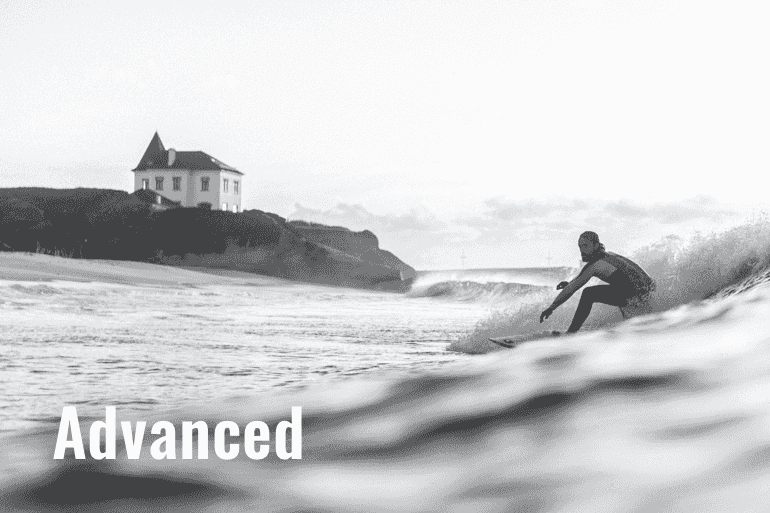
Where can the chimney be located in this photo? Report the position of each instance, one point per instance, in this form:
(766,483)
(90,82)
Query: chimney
(171,156)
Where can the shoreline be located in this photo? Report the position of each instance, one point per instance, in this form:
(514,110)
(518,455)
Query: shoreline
(22,266)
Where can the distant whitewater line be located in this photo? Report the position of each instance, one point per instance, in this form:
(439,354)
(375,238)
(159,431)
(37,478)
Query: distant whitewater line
(471,290)
(492,285)
(542,276)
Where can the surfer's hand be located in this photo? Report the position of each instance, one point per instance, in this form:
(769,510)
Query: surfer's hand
(561,285)
(546,313)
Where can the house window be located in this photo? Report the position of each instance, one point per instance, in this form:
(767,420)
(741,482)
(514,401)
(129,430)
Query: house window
(224,206)
(158,183)
(225,183)
(235,208)
(177,183)
(145,183)
(205,183)
(235,186)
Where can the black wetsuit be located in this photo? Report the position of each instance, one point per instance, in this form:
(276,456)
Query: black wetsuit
(627,281)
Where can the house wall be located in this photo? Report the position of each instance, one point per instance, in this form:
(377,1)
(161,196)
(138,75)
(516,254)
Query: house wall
(168,182)
(190,194)
(230,197)
(138,176)
(196,195)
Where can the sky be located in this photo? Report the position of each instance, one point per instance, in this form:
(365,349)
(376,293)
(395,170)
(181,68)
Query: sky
(494,130)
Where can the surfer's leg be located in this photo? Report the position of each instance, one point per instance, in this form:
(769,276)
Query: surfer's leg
(606,294)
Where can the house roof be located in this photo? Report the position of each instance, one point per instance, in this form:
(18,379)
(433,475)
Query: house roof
(151,197)
(156,156)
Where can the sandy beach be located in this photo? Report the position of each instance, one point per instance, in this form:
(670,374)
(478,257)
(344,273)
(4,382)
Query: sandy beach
(40,267)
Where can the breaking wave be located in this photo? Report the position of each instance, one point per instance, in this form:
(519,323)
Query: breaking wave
(540,276)
(703,267)
(492,285)
(473,291)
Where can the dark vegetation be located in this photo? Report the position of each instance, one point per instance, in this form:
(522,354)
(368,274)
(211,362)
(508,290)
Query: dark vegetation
(110,224)
(98,223)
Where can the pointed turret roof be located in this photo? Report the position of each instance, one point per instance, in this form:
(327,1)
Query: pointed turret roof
(156,157)
(154,154)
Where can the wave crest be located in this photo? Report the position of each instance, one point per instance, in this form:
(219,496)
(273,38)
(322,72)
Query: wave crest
(473,291)
(705,267)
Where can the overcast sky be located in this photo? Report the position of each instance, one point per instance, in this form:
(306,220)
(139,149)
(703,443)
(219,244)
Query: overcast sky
(497,129)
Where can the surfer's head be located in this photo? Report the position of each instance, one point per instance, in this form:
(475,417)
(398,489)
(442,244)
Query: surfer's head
(590,247)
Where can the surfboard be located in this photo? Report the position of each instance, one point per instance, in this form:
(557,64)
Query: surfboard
(514,340)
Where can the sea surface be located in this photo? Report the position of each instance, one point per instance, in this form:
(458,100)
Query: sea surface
(153,348)
(406,404)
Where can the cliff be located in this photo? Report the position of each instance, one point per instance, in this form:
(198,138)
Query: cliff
(109,224)
(362,245)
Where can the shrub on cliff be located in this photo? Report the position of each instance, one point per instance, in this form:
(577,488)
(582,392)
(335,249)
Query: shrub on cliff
(64,203)
(16,212)
(109,224)
(199,231)
(67,213)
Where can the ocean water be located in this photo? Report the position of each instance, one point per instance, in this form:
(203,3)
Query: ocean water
(662,412)
(151,348)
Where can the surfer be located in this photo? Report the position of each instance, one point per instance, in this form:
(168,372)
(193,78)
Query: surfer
(628,285)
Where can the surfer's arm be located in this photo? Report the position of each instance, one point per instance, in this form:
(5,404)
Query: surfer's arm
(572,287)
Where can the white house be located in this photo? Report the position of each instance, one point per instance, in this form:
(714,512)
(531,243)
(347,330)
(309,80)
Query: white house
(193,178)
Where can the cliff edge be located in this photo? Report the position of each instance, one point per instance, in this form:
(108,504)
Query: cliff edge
(116,225)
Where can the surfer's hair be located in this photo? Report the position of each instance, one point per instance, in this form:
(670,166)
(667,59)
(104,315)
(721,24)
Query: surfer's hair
(593,238)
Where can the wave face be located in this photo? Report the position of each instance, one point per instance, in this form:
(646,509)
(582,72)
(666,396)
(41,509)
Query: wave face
(472,291)
(492,285)
(540,276)
(704,267)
